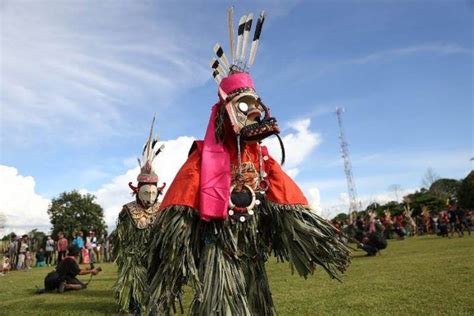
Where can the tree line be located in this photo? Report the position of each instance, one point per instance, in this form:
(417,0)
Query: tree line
(435,196)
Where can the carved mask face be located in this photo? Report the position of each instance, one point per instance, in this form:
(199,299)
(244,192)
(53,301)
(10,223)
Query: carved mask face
(244,110)
(250,118)
(147,194)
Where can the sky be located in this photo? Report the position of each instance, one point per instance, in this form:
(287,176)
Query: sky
(81,80)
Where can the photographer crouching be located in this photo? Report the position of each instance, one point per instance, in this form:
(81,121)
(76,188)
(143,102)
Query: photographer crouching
(64,277)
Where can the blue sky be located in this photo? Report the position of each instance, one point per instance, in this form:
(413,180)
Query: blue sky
(81,80)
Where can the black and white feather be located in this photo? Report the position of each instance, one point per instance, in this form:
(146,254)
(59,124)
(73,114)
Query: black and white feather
(240,35)
(151,149)
(256,39)
(230,25)
(247,28)
(221,66)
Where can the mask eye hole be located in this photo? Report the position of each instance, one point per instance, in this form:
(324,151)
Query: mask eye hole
(243,107)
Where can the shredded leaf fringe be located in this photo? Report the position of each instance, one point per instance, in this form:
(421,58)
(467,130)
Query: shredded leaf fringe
(131,247)
(224,261)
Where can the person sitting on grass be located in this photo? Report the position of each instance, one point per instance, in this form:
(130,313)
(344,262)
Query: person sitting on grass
(40,258)
(64,277)
(5,265)
(373,243)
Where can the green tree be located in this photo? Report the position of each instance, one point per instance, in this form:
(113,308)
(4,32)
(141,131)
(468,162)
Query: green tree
(394,207)
(341,217)
(466,192)
(37,239)
(422,198)
(72,211)
(445,188)
(9,236)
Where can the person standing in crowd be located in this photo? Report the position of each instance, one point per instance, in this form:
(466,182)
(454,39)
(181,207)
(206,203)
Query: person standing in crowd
(91,245)
(13,251)
(372,216)
(49,247)
(453,226)
(443,222)
(22,249)
(62,246)
(28,260)
(40,258)
(462,221)
(106,248)
(78,241)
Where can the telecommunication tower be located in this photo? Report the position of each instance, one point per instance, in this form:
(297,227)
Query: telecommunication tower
(351,189)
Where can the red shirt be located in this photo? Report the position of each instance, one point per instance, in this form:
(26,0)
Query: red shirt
(62,244)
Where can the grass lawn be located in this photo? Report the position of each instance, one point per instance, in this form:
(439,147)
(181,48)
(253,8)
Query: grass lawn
(418,276)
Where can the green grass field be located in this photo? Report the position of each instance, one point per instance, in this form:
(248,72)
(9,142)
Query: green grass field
(419,276)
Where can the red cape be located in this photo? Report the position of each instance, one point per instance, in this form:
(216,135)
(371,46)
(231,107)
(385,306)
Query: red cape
(184,189)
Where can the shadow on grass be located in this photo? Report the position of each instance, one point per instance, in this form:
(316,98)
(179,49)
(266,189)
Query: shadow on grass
(80,303)
(81,308)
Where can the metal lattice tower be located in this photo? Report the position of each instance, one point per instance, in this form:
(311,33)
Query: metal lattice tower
(351,189)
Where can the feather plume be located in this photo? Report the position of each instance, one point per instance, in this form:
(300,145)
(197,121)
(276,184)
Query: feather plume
(215,65)
(149,151)
(256,38)
(220,53)
(240,33)
(160,149)
(148,143)
(230,23)
(215,75)
(248,26)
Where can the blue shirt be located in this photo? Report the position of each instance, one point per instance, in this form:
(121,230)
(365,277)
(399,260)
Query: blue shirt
(79,242)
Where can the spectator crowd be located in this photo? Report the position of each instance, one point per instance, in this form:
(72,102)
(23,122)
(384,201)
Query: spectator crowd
(370,230)
(23,253)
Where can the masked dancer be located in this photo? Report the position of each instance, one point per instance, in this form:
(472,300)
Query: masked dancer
(132,235)
(231,205)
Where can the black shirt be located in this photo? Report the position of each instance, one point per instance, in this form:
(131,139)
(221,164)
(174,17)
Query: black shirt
(452,216)
(68,268)
(461,214)
(40,256)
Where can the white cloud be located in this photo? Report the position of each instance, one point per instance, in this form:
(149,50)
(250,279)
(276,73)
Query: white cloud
(293,172)
(427,48)
(24,208)
(73,72)
(298,146)
(315,200)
